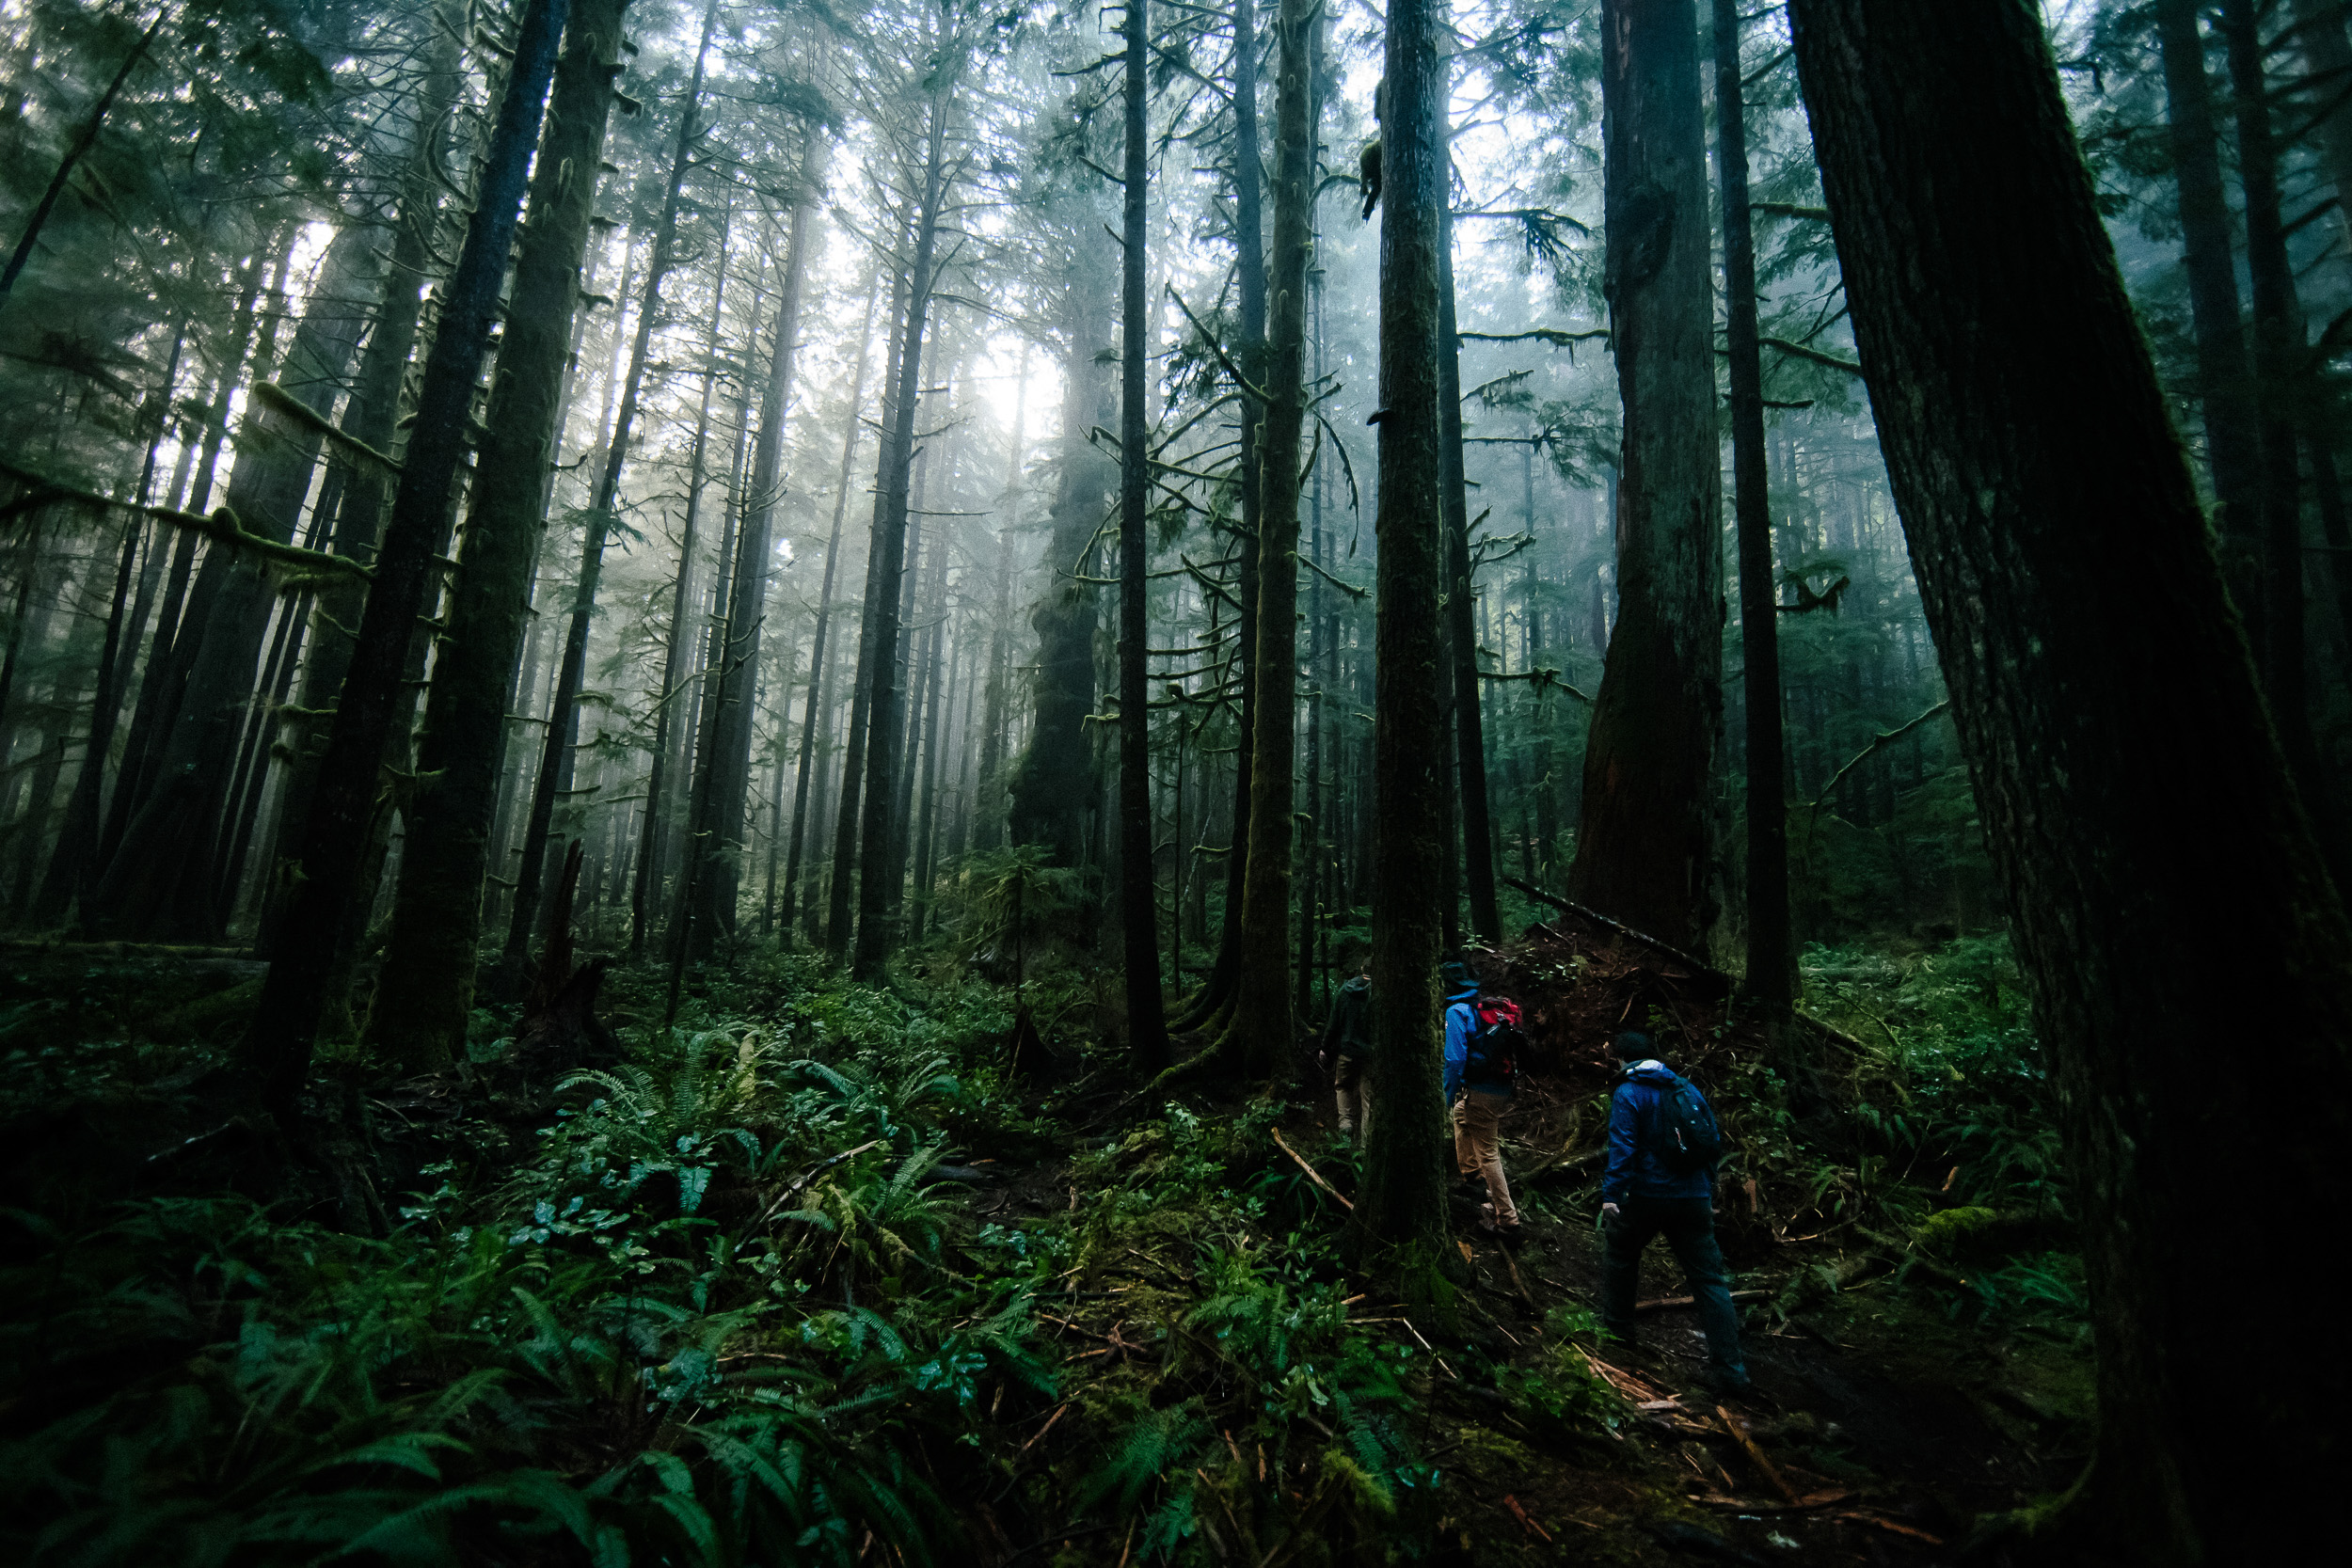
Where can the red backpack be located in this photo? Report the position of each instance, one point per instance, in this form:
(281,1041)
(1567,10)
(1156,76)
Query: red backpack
(1494,1044)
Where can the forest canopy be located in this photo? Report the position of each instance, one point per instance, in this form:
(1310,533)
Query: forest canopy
(720,720)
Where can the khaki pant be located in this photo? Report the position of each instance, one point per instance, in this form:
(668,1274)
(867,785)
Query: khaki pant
(1477,1131)
(1354,1088)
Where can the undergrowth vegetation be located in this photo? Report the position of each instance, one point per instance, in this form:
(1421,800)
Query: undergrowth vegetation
(816,1275)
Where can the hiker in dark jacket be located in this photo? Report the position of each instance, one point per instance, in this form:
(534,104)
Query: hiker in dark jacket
(1347,1042)
(1643,1194)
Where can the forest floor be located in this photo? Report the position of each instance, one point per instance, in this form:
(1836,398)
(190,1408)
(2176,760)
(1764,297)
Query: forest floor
(822,1275)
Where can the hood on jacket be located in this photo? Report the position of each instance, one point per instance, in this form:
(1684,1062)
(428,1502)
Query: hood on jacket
(1649,1071)
(1355,983)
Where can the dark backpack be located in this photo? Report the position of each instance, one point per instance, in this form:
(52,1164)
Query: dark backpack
(1687,1137)
(1494,1044)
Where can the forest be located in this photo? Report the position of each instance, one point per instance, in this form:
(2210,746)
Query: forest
(800,783)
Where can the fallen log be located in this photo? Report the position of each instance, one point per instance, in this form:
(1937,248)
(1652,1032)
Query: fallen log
(1583,911)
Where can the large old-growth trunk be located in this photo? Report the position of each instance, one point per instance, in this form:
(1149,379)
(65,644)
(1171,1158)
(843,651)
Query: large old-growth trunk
(2071,584)
(285,1024)
(1055,778)
(1645,845)
(1147,1026)
(1400,1209)
(1262,1011)
(425,992)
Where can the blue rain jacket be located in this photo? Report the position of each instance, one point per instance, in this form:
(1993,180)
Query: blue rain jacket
(1635,1168)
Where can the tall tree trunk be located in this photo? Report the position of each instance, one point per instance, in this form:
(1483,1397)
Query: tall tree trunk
(163,882)
(676,649)
(1770,983)
(188,603)
(720,837)
(1055,774)
(278,1042)
(1249,282)
(1461,613)
(886,562)
(805,768)
(561,749)
(1147,1028)
(2047,503)
(77,837)
(424,993)
(2225,382)
(1400,1219)
(986,814)
(2319,34)
(2282,398)
(1263,1026)
(1645,845)
(371,415)
(845,818)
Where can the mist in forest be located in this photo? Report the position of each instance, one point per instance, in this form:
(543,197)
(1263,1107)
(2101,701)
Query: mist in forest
(717,699)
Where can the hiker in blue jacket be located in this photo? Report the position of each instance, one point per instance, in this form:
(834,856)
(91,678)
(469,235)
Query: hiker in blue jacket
(1648,1189)
(1478,1092)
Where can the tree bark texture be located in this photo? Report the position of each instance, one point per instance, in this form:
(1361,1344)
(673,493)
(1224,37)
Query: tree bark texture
(1400,1214)
(560,753)
(2069,580)
(1770,983)
(278,1042)
(1263,1026)
(1645,847)
(1147,1023)
(425,995)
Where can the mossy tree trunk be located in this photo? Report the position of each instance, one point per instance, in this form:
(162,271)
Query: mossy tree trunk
(1645,843)
(278,1042)
(1400,1216)
(425,992)
(2049,506)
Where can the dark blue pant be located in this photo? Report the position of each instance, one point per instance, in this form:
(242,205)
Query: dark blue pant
(1689,1226)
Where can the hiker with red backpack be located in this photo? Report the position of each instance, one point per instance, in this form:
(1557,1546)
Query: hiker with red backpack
(1482,1045)
(1663,1145)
